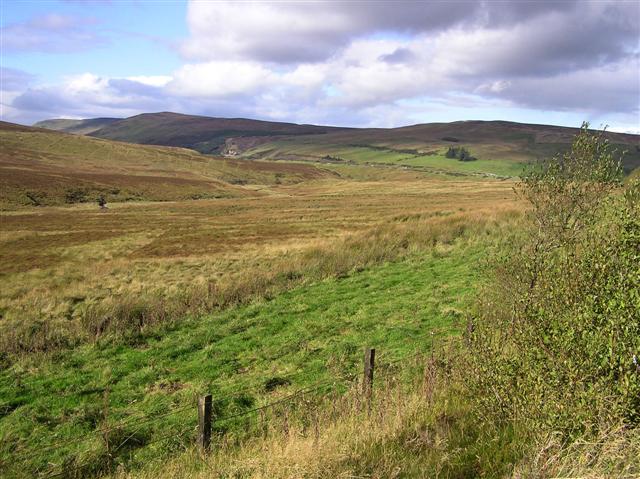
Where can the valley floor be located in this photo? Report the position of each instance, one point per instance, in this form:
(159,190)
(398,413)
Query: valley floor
(64,263)
(313,273)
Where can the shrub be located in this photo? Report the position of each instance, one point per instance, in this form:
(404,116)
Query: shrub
(554,339)
(75,195)
(462,154)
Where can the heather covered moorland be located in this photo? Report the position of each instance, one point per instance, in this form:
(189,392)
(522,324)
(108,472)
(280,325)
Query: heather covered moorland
(319,239)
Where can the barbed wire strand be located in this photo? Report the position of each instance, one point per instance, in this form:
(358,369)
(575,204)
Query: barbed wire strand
(149,420)
(138,424)
(318,385)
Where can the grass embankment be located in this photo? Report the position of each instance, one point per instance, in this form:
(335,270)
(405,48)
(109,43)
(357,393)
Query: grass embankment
(312,333)
(418,425)
(421,425)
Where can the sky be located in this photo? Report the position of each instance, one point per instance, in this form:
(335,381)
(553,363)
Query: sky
(345,63)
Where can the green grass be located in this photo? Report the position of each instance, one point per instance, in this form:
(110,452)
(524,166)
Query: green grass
(495,167)
(314,332)
(305,148)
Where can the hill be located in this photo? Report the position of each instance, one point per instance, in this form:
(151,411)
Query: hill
(499,147)
(200,133)
(79,127)
(43,167)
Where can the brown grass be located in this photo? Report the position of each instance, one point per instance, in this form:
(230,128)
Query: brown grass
(613,454)
(76,273)
(40,167)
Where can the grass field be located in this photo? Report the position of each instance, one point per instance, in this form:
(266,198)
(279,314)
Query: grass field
(311,333)
(248,279)
(112,316)
(433,162)
(59,264)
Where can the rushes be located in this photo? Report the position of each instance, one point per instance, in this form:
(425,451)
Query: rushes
(127,315)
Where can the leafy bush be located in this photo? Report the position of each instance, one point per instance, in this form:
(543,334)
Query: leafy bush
(554,339)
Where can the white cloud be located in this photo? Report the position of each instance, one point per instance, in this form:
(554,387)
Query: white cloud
(220,78)
(157,81)
(343,63)
(258,30)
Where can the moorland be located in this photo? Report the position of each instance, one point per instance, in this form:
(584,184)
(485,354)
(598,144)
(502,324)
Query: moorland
(252,260)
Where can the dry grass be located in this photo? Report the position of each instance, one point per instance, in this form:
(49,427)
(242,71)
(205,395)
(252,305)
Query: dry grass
(79,269)
(405,432)
(614,453)
(39,167)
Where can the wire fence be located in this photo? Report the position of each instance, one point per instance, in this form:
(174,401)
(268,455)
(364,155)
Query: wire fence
(137,423)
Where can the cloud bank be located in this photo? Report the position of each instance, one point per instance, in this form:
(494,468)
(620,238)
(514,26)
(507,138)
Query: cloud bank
(351,63)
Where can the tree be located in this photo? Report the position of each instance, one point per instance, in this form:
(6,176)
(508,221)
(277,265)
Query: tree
(555,335)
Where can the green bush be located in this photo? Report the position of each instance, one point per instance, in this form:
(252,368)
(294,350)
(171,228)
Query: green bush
(459,153)
(554,339)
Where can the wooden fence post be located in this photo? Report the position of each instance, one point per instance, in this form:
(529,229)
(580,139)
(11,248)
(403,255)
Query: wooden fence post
(367,383)
(204,422)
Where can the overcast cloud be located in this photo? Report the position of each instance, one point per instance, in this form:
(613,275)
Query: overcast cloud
(353,63)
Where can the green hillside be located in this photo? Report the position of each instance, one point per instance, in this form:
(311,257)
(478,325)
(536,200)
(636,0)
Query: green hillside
(500,147)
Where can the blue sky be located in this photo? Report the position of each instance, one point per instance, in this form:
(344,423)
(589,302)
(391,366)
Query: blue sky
(139,38)
(347,63)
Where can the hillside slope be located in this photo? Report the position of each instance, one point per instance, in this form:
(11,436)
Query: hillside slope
(42,167)
(200,133)
(79,127)
(501,147)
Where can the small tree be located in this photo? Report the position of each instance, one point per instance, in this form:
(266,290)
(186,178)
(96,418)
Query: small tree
(451,152)
(555,336)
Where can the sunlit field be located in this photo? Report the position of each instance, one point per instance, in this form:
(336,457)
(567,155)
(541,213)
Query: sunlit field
(258,279)
(59,263)
(366,239)
(92,295)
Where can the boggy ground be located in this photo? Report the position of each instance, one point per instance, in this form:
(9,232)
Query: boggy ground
(125,403)
(57,262)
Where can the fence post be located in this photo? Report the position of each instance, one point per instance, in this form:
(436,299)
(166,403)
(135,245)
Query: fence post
(367,383)
(204,422)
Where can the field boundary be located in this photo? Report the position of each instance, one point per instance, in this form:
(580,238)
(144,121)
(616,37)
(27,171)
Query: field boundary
(361,382)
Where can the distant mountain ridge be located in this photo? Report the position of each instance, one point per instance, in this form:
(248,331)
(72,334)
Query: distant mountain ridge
(200,133)
(496,140)
(79,127)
